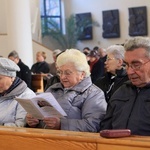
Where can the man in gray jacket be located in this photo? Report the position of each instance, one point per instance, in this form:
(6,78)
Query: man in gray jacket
(129,107)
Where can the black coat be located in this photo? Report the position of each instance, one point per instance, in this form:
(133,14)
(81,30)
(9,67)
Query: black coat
(105,83)
(97,70)
(54,79)
(40,67)
(129,108)
(24,73)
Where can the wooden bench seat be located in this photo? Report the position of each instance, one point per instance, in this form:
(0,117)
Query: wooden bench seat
(44,139)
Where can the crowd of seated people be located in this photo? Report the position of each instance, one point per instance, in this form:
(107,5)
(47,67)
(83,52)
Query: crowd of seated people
(96,58)
(119,100)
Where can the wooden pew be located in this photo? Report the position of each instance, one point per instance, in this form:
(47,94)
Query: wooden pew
(44,139)
(37,83)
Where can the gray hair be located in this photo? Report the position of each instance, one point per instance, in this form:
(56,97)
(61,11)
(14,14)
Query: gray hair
(13,54)
(138,42)
(77,58)
(117,50)
(56,52)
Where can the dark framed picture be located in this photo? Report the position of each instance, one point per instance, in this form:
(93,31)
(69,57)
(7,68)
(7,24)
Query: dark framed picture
(111,24)
(138,21)
(84,24)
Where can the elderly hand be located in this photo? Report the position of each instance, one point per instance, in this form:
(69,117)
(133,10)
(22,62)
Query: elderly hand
(32,122)
(52,122)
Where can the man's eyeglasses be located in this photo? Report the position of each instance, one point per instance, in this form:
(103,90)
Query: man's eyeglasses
(136,66)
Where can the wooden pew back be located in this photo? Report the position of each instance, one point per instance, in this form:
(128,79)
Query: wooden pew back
(37,83)
(45,139)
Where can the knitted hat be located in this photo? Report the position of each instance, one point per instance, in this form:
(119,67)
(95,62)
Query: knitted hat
(8,67)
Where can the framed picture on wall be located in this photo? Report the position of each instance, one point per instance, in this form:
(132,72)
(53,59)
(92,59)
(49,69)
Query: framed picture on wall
(84,23)
(138,21)
(111,25)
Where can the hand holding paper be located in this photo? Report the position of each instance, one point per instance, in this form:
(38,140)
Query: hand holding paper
(42,105)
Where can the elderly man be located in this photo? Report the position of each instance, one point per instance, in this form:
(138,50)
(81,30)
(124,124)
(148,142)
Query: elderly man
(24,73)
(129,107)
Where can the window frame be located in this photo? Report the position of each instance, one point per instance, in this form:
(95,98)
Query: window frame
(46,17)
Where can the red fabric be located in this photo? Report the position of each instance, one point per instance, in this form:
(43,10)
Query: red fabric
(92,64)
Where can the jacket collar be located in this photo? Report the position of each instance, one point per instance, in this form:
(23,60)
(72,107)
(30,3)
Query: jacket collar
(122,72)
(130,84)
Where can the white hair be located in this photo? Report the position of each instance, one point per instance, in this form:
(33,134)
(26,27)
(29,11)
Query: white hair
(117,50)
(76,57)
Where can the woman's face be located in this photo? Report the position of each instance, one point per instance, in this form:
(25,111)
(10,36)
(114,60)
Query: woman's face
(39,57)
(111,63)
(5,83)
(69,76)
(92,58)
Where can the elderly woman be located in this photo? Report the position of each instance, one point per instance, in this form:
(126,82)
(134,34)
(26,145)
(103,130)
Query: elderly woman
(116,74)
(11,113)
(83,102)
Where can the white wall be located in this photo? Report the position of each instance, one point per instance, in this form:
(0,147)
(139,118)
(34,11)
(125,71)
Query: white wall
(35,28)
(96,7)
(78,6)
(37,47)
(3,26)
(35,20)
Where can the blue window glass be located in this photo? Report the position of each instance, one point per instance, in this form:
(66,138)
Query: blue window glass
(50,10)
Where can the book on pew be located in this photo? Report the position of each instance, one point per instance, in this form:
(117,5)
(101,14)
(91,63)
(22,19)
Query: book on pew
(41,106)
(115,133)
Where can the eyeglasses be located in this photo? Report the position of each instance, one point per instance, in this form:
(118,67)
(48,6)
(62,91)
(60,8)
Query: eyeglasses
(136,66)
(107,59)
(66,73)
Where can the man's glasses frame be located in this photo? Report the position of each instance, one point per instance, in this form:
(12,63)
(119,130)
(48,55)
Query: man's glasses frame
(136,67)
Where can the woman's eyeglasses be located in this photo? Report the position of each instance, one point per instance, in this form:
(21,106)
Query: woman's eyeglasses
(66,72)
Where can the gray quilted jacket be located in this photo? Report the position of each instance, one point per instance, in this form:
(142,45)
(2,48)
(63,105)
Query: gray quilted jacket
(11,113)
(84,104)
